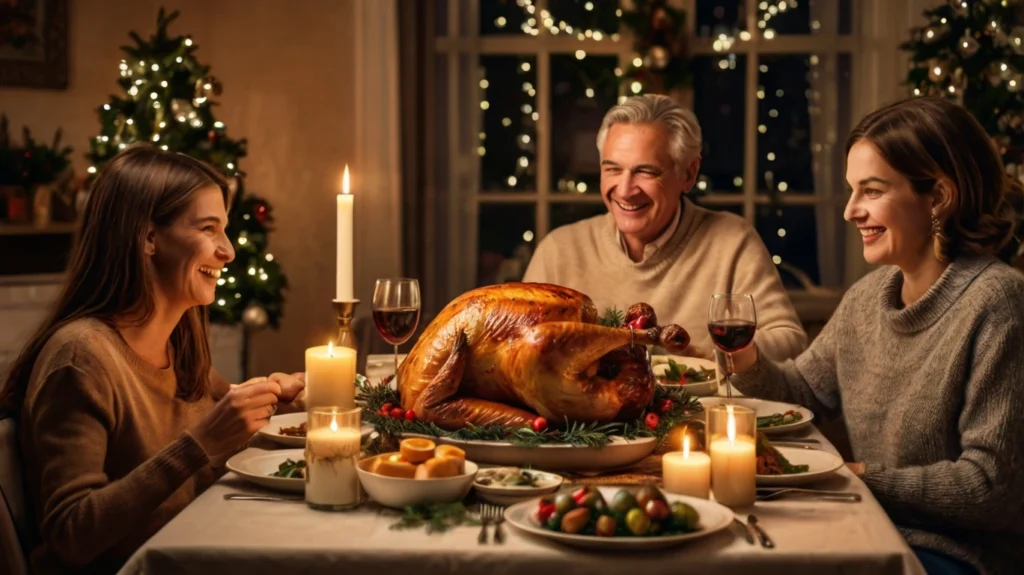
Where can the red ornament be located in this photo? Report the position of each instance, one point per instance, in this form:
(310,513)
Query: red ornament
(397,412)
(540,424)
(410,415)
(212,136)
(652,420)
(386,409)
(665,405)
(261,212)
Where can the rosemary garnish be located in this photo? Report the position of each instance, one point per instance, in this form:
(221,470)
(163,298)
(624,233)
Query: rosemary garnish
(582,434)
(438,517)
(612,317)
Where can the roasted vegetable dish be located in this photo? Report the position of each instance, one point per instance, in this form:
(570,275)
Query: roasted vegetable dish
(779,419)
(681,374)
(641,513)
(297,431)
(771,462)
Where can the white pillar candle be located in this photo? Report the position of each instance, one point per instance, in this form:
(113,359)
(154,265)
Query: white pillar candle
(734,467)
(331,457)
(330,377)
(344,266)
(687,472)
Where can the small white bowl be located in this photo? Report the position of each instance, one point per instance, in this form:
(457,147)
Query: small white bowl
(399,492)
(509,494)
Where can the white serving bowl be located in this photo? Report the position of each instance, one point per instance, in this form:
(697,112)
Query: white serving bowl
(399,492)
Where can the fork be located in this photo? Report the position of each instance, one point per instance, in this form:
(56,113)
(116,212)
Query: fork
(498,517)
(485,520)
(844,496)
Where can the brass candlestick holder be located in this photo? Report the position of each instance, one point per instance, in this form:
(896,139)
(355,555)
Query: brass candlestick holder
(344,311)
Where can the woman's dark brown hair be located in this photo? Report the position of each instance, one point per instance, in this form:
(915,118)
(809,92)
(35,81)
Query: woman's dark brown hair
(931,140)
(110,278)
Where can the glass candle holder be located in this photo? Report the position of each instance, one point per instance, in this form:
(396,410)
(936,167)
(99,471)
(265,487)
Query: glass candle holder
(731,436)
(333,442)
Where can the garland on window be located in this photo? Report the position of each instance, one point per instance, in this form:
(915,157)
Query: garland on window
(660,41)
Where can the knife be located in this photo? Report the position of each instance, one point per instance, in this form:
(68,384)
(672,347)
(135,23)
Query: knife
(747,530)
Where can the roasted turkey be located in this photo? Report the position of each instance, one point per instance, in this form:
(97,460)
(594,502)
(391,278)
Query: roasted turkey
(505,354)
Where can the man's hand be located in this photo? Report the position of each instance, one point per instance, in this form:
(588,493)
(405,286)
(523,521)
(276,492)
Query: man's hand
(291,385)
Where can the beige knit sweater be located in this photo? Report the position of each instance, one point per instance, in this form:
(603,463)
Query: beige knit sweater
(707,253)
(108,460)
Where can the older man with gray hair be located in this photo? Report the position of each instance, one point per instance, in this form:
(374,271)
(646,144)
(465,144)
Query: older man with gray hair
(654,245)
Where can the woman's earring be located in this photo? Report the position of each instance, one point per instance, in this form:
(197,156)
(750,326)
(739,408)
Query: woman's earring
(936,226)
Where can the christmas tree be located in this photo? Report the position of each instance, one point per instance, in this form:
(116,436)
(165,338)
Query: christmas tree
(972,51)
(168,101)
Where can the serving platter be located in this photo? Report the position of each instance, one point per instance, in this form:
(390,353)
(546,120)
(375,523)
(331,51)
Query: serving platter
(620,452)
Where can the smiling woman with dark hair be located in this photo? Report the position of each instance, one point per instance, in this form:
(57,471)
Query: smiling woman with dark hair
(925,356)
(121,419)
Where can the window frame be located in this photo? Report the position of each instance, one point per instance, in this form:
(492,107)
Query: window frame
(463,43)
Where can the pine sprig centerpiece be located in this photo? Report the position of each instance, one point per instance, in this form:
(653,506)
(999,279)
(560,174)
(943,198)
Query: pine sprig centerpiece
(671,407)
(612,317)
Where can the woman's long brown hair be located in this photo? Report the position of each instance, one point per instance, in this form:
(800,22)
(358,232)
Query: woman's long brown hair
(110,277)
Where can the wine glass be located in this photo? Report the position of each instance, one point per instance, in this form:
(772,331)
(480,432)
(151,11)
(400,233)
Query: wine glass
(396,310)
(732,321)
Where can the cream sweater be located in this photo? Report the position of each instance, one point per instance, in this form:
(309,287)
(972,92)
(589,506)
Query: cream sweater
(707,253)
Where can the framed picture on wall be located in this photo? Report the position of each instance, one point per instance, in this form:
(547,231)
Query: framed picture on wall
(34,43)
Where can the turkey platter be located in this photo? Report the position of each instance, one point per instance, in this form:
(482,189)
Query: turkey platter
(506,354)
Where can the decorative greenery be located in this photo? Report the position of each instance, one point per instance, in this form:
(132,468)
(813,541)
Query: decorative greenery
(438,517)
(658,29)
(168,101)
(31,163)
(583,434)
(612,317)
(973,53)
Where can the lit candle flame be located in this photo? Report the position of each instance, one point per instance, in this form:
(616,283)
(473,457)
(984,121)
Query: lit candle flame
(345,183)
(730,425)
(686,446)
(334,424)
(330,349)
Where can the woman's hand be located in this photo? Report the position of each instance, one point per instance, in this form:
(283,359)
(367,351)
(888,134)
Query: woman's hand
(237,416)
(744,359)
(291,385)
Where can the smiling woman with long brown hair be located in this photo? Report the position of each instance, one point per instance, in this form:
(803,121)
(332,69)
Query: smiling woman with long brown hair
(121,419)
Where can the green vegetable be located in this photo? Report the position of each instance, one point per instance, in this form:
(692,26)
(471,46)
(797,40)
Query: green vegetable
(291,469)
(684,516)
(681,373)
(777,419)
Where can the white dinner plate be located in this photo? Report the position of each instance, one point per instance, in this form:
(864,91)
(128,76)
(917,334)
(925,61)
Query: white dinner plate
(765,408)
(659,363)
(272,430)
(714,517)
(256,465)
(821,464)
(509,494)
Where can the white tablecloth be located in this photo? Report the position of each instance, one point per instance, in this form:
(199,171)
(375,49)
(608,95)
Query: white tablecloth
(214,535)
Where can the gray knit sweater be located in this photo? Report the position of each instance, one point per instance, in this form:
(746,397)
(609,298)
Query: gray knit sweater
(933,397)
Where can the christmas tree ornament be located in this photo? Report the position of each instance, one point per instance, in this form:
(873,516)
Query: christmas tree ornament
(255,317)
(261,212)
(1016,40)
(933,33)
(968,45)
(936,71)
(182,109)
(657,58)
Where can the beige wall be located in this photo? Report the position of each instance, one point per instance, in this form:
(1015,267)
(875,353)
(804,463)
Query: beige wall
(288,74)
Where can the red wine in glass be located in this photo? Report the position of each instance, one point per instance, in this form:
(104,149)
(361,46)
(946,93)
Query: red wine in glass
(396,325)
(731,335)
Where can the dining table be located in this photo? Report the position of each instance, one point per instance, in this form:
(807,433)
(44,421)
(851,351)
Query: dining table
(811,536)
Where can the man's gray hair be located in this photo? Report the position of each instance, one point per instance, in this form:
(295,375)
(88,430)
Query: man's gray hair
(684,130)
